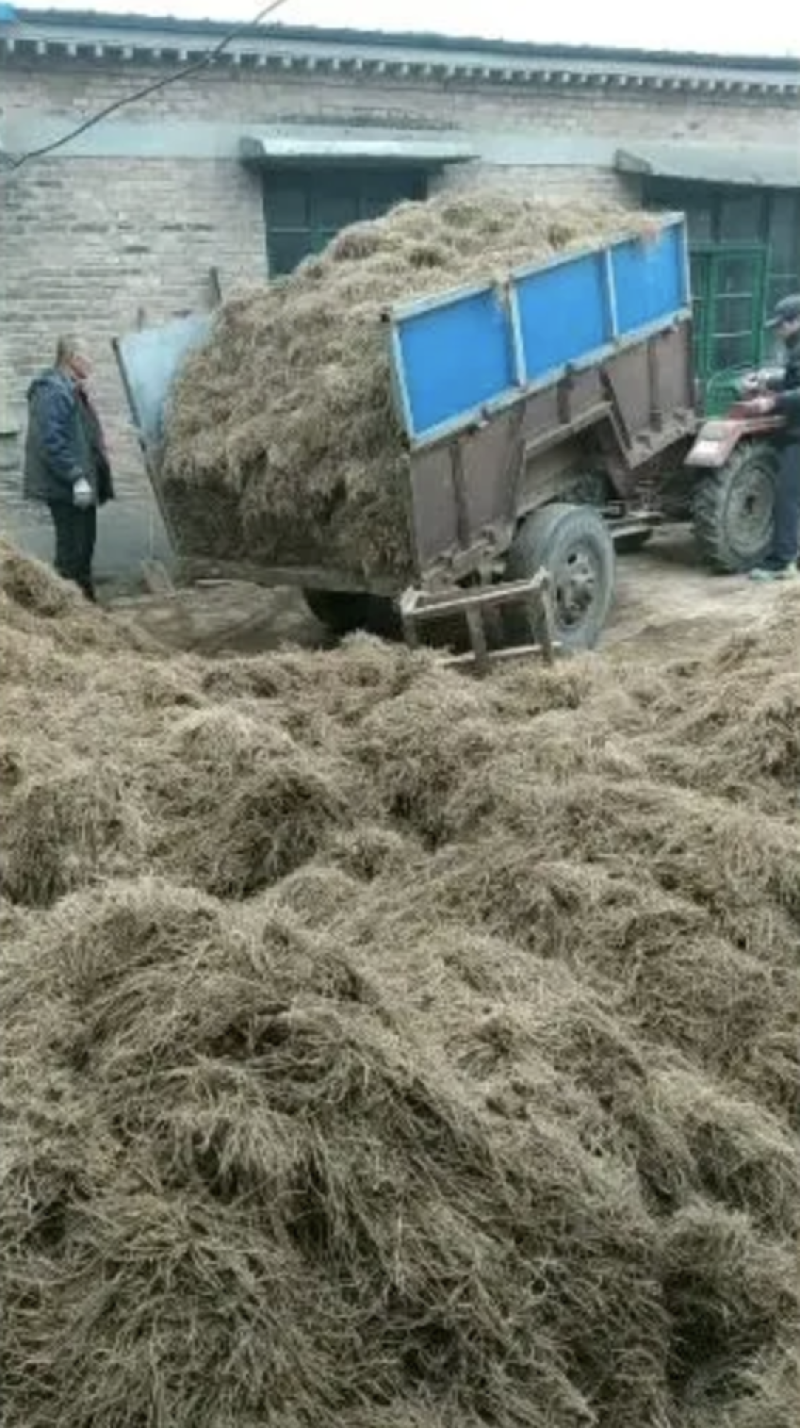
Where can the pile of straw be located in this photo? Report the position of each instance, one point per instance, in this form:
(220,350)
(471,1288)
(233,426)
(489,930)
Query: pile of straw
(387,1051)
(282,442)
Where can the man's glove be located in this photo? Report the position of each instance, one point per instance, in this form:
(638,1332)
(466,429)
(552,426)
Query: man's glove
(756,382)
(82,494)
(760,406)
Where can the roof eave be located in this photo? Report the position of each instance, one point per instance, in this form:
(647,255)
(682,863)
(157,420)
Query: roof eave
(745,165)
(421,40)
(86,35)
(312,60)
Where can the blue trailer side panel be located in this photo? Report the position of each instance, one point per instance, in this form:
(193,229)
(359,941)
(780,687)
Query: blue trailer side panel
(649,279)
(453,358)
(459,354)
(563,314)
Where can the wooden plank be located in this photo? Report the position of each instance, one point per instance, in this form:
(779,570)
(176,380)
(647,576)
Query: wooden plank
(477,637)
(408,616)
(157,578)
(215,284)
(440,606)
(514,652)
(251,572)
(547,625)
(409,602)
(212,643)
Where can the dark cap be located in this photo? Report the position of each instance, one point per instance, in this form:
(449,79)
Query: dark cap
(787,310)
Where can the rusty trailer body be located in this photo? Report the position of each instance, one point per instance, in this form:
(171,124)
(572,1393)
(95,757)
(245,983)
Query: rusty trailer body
(614,420)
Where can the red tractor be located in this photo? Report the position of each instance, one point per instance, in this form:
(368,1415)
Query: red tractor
(732,503)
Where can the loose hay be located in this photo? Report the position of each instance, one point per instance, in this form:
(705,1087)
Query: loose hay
(248,806)
(388,1051)
(36,602)
(67,831)
(282,442)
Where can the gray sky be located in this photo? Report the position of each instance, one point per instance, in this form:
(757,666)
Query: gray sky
(676,24)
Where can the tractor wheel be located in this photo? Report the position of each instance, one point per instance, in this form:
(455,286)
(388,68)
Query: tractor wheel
(575,545)
(732,509)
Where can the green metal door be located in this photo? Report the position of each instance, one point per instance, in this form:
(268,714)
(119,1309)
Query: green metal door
(728,291)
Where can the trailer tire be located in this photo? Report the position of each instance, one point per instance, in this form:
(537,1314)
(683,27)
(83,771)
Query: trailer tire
(732,509)
(631,542)
(340,611)
(596,490)
(574,544)
(343,612)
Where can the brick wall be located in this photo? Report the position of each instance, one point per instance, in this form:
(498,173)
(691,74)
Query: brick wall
(70,88)
(88,243)
(557,183)
(95,245)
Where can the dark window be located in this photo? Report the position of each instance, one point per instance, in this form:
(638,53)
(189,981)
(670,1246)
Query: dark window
(699,221)
(696,200)
(698,206)
(741,217)
(784,232)
(784,247)
(305,208)
(288,207)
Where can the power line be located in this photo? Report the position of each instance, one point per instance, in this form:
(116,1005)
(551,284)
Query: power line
(193,68)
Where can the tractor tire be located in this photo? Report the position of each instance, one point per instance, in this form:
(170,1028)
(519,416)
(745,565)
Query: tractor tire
(732,509)
(574,544)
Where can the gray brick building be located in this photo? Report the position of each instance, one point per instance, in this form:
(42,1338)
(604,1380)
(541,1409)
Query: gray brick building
(240,169)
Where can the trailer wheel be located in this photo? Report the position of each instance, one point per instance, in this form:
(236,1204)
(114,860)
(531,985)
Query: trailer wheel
(597,490)
(631,542)
(338,610)
(732,509)
(575,545)
(343,612)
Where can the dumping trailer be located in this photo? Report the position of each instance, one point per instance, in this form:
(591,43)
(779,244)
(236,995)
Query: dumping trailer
(545,414)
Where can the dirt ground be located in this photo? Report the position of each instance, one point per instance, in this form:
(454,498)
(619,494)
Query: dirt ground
(666,601)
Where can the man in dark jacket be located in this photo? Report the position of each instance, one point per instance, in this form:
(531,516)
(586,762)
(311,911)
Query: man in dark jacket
(66,462)
(783,398)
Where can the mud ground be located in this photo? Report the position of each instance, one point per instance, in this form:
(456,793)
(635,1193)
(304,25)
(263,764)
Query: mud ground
(666,603)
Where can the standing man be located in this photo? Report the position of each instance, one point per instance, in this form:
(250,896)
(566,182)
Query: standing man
(66,461)
(782,396)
